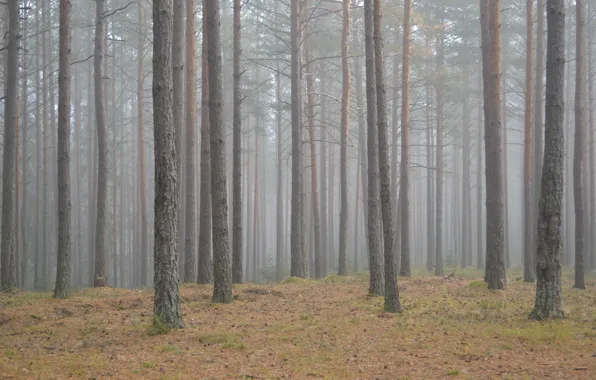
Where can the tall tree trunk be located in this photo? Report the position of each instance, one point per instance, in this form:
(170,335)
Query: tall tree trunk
(314,181)
(591,259)
(394,140)
(142,182)
(439,189)
(466,226)
(166,280)
(298,262)
(374,217)
(115,156)
(222,273)
(46,145)
(25,172)
(479,225)
(528,146)
(37,281)
(578,145)
(190,246)
(78,271)
(538,125)
(494,183)
(280,229)
(323,189)
(343,151)
(100,277)
(205,239)
(178,102)
(430,223)
(549,250)
(391,304)
(63,275)
(404,181)
(8,275)
(237,156)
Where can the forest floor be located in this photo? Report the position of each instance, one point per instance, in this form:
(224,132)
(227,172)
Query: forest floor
(452,327)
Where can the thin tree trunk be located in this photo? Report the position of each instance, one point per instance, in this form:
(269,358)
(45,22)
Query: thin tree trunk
(323,190)
(23,256)
(430,222)
(404,182)
(222,273)
(439,190)
(343,151)
(205,240)
(466,226)
(479,225)
(374,217)
(392,303)
(591,259)
(100,277)
(298,261)
(237,156)
(38,162)
(63,276)
(578,145)
(528,147)
(190,246)
(280,228)
(178,104)
(46,145)
(494,183)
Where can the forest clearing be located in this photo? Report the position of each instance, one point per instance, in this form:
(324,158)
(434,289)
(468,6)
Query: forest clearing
(451,327)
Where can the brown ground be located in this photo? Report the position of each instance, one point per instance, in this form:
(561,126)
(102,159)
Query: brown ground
(452,328)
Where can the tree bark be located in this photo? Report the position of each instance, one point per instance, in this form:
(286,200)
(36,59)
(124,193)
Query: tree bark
(178,99)
(24,256)
(479,171)
(343,151)
(237,155)
(578,145)
(63,275)
(9,271)
(222,274)
(392,304)
(298,261)
(100,277)
(166,280)
(496,277)
(466,226)
(190,236)
(142,182)
(374,217)
(439,188)
(528,146)
(430,213)
(38,162)
(591,259)
(549,249)
(404,181)
(205,239)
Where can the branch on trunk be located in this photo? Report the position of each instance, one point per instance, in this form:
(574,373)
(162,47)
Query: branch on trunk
(106,15)
(82,60)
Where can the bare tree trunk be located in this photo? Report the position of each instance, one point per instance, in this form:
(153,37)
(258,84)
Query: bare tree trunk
(190,246)
(538,125)
(222,274)
(394,143)
(298,262)
(23,256)
(323,190)
(205,238)
(591,259)
(100,277)
(142,182)
(78,271)
(439,191)
(374,217)
(578,145)
(494,183)
(115,154)
(392,303)
(314,181)
(404,182)
(167,294)
(548,258)
(528,147)
(479,225)
(237,156)
(430,223)
(343,152)
(280,230)
(8,275)
(46,145)
(466,225)
(178,102)
(38,163)
(63,276)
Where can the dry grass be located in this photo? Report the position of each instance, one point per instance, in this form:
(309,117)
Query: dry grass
(452,328)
